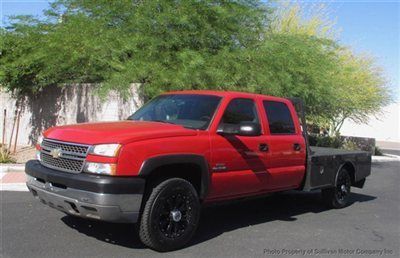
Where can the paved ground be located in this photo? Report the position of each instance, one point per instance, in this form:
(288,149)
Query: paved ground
(392,151)
(291,222)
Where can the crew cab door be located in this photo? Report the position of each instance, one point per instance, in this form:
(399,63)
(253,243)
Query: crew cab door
(238,162)
(286,156)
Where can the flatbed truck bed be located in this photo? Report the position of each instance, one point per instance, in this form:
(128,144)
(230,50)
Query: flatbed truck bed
(324,163)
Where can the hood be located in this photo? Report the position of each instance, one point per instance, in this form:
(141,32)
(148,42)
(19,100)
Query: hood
(116,132)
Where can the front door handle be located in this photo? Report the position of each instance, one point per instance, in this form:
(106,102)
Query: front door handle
(297,147)
(263,147)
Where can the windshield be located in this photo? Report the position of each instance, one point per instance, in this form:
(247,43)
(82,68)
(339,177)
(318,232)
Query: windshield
(191,111)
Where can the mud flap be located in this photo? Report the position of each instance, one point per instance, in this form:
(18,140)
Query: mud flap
(359,184)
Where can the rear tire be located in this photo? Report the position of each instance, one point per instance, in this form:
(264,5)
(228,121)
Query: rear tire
(170,216)
(338,197)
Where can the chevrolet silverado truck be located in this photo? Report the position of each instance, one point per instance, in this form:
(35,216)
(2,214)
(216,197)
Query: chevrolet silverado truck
(183,150)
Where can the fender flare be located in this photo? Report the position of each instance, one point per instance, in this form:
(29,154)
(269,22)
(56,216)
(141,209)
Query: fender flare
(153,163)
(344,163)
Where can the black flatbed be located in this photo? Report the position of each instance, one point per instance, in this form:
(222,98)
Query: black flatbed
(323,164)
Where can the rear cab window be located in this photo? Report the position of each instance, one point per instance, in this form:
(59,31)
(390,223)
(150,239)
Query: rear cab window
(279,118)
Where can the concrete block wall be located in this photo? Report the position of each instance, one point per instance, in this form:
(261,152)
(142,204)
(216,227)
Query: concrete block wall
(69,104)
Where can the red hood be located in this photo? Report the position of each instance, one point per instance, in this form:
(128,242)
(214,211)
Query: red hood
(116,132)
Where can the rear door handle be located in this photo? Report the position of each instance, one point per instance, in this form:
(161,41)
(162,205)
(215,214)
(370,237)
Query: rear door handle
(263,147)
(297,147)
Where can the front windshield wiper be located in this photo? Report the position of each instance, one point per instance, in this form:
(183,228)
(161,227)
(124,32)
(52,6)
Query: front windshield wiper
(189,127)
(169,122)
(163,121)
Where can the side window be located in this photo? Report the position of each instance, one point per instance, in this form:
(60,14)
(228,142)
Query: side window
(239,111)
(279,118)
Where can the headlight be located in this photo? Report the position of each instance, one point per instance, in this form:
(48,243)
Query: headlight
(100,168)
(108,150)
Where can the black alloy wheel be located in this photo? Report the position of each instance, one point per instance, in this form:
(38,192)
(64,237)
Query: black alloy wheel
(338,197)
(170,216)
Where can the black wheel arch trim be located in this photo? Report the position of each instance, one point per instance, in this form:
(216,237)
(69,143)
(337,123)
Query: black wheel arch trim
(346,162)
(153,163)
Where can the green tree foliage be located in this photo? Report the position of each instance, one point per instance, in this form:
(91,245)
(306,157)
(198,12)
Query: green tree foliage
(358,89)
(240,45)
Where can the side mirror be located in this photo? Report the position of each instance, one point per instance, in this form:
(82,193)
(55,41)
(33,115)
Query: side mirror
(243,129)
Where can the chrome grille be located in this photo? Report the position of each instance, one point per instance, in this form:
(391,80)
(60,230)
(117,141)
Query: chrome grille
(61,163)
(67,147)
(63,156)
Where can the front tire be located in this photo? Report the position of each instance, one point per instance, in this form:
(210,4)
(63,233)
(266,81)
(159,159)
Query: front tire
(339,196)
(170,216)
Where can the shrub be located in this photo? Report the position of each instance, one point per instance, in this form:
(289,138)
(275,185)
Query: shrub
(326,141)
(350,145)
(378,151)
(5,155)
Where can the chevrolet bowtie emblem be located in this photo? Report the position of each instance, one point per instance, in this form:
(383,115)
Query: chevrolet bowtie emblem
(56,153)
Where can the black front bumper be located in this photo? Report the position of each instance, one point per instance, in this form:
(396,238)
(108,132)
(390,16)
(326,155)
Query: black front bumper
(115,199)
(86,182)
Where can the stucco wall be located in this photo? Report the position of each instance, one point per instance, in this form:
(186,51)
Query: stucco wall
(385,127)
(67,105)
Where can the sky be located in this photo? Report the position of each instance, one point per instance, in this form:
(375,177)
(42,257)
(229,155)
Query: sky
(371,27)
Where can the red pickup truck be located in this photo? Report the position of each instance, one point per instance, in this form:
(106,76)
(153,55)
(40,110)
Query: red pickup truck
(182,150)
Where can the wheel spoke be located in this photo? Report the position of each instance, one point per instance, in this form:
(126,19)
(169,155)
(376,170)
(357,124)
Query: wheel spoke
(179,202)
(164,211)
(174,228)
(170,203)
(163,224)
(169,228)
